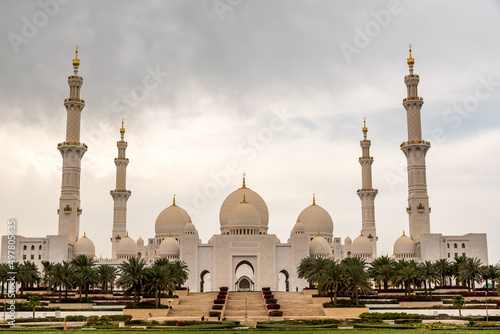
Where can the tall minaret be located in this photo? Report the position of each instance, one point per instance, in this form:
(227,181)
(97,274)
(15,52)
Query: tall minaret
(72,152)
(120,195)
(415,150)
(367,194)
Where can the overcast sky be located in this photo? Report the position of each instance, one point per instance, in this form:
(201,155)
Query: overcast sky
(275,89)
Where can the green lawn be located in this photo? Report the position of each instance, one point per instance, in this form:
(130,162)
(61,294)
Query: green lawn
(255,331)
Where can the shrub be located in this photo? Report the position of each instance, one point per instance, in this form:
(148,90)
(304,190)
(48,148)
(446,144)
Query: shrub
(223,293)
(414,298)
(268,296)
(266,289)
(223,288)
(219,301)
(75,318)
(214,313)
(273,306)
(217,307)
(271,301)
(221,296)
(275,313)
(145,305)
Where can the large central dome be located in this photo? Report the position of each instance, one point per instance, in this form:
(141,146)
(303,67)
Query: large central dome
(172,220)
(234,199)
(316,219)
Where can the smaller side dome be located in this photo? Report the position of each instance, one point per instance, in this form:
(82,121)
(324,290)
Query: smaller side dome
(404,247)
(299,227)
(190,229)
(126,247)
(140,242)
(319,246)
(244,215)
(169,248)
(362,245)
(84,246)
(211,241)
(347,241)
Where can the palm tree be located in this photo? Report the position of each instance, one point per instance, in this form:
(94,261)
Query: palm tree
(427,272)
(470,271)
(443,267)
(459,301)
(4,275)
(490,273)
(34,302)
(27,275)
(358,280)
(304,269)
(455,269)
(332,279)
(406,274)
(85,275)
(58,278)
(382,270)
(107,276)
(132,276)
(47,266)
(159,278)
(179,272)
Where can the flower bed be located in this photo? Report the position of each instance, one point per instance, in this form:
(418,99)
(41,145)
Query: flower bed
(275,313)
(273,306)
(214,314)
(219,301)
(221,296)
(224,288)
(217,307)
(266,289)
(415,298)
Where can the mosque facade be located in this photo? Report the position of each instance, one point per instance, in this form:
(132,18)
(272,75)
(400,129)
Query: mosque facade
(243,256)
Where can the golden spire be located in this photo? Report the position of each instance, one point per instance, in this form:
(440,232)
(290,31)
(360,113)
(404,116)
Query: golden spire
(403,233)
(76,62)
(173,204)
(319,235)
(244,185)
(361,233)
(410,61)
(127,235)
(84,235)
(314,199)
(122,130)
(365,129)
(169,234)
(244,200)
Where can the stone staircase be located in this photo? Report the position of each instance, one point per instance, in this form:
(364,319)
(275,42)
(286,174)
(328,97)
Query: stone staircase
(296,305)
(256,309)
(193,306)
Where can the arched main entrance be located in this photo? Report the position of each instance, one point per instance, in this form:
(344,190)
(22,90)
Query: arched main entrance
(244,273)
(283,284)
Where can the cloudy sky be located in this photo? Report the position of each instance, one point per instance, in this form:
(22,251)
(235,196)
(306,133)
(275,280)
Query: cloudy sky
(275,89)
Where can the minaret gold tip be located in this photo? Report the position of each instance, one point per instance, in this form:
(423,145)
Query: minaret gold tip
(244,185)
(122,130)
(410,61)
(365,129)
(76,62)
(314,199)
(173,203)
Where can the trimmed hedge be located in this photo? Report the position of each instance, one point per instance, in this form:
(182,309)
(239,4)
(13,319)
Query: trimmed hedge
(275,313)
(273,306)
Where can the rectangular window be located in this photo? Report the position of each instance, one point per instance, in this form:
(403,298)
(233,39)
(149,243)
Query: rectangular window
(463,254)
(456,254)
(448,254)
(24,257)
(32,256)
(39,256)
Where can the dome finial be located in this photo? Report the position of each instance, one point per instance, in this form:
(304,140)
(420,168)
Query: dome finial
(244,200)
(361,233)
(127,235)
(319,235)
(84,234)
(365,129)
(122,130)
(244,185)
(76,62)
(410,61)
(403,232)
(314,199)
(173,204)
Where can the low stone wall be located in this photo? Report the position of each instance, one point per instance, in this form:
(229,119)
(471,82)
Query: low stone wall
(321,300)
(72,306)
(164,301)
(420,304)
(310,292)
(146,313)
(181,293)
(347,312)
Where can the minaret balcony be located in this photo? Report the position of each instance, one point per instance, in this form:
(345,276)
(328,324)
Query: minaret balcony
(70,143)
(79,211)
(365,158)
(415,142)
(413,98)
(73,99)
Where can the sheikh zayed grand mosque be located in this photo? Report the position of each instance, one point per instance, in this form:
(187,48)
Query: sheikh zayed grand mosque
(242,255)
